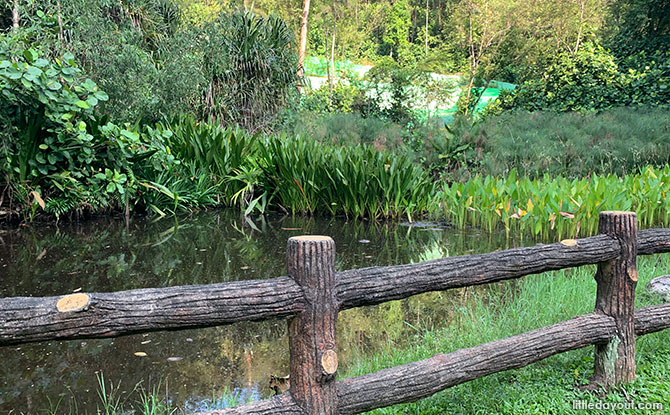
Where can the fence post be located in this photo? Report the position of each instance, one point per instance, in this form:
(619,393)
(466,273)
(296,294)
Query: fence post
(310,261)
(617,278)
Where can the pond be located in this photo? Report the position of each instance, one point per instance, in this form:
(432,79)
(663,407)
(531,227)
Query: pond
(195,367)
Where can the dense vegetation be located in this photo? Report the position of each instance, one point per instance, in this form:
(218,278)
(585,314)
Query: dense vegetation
(173,105)
(167,106)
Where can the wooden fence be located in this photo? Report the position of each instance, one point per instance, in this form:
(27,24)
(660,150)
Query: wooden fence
(313,294)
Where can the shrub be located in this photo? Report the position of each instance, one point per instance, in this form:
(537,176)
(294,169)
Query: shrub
(592,79)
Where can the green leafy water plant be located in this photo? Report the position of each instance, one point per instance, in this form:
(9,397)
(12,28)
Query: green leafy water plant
(555,206)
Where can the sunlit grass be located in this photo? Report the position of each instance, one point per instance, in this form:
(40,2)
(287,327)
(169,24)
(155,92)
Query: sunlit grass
(510,308)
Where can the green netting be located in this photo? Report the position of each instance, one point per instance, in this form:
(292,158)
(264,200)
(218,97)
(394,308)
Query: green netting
(317,67)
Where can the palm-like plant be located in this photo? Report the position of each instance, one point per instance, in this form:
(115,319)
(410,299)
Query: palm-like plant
(247,62)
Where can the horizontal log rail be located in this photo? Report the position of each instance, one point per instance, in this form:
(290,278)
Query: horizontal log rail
(30,319)
(313,294)
(417,380)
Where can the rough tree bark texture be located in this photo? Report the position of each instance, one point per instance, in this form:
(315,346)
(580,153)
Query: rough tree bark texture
(15,15)
(303,38)
(615,297)
(310,261)
(279,405)
(26,319)
(652,319)
(368,286)
(653,241)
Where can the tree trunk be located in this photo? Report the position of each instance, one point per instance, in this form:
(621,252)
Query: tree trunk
(303,38)
(426,45)
(15,15)
(582,5)
(331,73)
(61,36)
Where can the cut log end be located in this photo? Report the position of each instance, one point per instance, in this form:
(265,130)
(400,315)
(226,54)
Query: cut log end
(569,242)
(73,302)
(329,362)
(313,238)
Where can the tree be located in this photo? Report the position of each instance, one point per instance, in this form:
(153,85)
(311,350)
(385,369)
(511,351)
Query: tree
(15,15)
(303,38)
(639,25)
(483,25)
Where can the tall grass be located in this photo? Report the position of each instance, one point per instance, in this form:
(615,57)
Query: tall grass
(615,141)
(555,206)
(501,310)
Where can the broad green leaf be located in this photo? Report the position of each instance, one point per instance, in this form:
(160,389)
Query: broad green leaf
(30,55)
(54,85)
(101,95)
(82,104)
(92,101)
(41,63)
(130,135)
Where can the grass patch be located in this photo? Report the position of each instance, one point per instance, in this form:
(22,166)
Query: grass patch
(547,387)
(572,144)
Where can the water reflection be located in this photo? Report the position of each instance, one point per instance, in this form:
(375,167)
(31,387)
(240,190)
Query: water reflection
(194,365)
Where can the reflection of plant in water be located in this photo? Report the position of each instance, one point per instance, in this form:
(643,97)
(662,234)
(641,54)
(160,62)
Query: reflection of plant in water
(104,255)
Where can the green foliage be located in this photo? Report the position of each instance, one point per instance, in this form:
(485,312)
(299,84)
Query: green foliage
(307,177)
(555,206)
(250,82)
(392,95)
(214,160)
(344,98)
(615,141)
(347,129)
(639,26)
(47,106)
(588,79)
(53,140)
(591,79)
(395,39)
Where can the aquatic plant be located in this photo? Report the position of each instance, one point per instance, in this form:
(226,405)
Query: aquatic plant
(304,176)
(555,206)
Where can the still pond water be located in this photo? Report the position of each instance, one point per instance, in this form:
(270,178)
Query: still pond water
(196,365)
